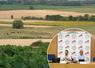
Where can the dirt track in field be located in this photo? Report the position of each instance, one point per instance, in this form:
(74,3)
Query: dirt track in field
(37,13)
(34,26)
(21,42)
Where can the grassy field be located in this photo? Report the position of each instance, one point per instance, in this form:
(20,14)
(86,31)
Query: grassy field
(64,23)
(28,33)
(7,32)
(14,7)
(53,23)
(88,8)
(39,33)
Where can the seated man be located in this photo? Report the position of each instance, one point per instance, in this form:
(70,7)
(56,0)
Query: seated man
(67,58)
(81,57)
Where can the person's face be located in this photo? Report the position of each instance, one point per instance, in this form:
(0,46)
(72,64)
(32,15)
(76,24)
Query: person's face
(66,52)
(81,52)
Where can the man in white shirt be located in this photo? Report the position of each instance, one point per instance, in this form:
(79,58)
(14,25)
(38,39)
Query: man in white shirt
(67,58)
(81,57)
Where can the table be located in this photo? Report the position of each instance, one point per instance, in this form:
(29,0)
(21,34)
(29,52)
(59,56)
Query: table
(58,65)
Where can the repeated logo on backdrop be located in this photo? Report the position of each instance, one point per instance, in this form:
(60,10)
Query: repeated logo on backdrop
(74,42)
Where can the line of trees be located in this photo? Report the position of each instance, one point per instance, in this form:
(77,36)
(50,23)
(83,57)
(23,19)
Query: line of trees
(86,17)
(32,18)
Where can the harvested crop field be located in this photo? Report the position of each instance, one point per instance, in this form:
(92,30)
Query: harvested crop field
(37,13)
(21,42)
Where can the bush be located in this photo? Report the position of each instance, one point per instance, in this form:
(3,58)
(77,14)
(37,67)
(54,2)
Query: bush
(37,18)
(31,7)
(92,18)
(27,18)
(18,24)
(54,17)
(32,18)
(37,43)
(12,56)
(86,17)
(71,18)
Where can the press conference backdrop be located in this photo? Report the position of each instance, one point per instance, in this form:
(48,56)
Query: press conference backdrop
(74,42)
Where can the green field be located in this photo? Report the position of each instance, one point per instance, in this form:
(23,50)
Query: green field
(12,56)
(41,33)
(87,8)
(56,23)
(7,32)
(64,23)
(28,33)
(14,7)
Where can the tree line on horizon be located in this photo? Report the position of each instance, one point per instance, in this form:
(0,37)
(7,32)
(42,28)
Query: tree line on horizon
(49,2)
(85,17)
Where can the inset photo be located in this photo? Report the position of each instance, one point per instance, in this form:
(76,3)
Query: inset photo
(73,47)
